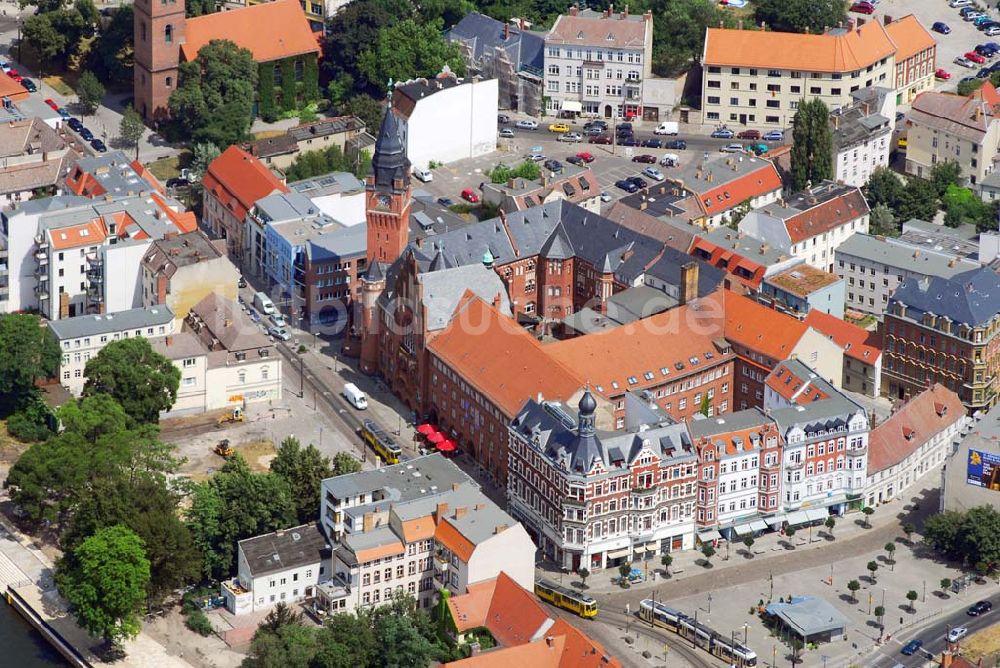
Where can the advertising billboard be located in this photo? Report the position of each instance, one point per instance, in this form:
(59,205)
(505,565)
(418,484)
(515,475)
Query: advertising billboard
(984,469)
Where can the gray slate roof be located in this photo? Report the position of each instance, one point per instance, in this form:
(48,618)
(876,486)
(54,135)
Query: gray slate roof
(285,550)
(971,298)
(407,481)
(443,288)
(895,253)
(94,325)
(484,34)
(808,615)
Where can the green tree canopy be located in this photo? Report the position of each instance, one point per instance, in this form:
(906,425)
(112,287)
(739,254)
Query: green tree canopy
(110,56)
(945,173)
(202,155)
(367,109)
(354,29)
(214,101)
(811,16)
(882,222)
(406,50)
(105,583)
(883,187)
(28,352)
(331,159)
(200,7)
(918,200)
(304,469)
(131,129)
(812,152)
(679,32)
(972,537)
(527,169)
(90,92)
(142,380)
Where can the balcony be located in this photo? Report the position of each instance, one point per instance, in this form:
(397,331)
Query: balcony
(643,491)
(860,450)
(42,292)
(794,466)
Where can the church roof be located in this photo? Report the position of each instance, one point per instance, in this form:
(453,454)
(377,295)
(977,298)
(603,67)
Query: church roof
(389,162)
(271,30)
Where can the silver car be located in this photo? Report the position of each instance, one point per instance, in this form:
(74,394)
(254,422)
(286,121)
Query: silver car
(280,333)
(964,62)
(573,137)
(732,148)
(653,173)
(507,133)
(527,125)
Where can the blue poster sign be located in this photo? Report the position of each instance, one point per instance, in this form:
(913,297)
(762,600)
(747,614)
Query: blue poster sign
(984,469)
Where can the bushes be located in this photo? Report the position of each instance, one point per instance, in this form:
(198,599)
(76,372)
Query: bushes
(194,617)
(265,93)
(30,424)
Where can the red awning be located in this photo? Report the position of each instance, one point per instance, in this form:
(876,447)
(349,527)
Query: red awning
(427,428)
(446,445)
(435,437)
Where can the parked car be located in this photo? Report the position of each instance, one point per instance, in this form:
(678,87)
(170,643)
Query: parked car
(527,125)
(446,201)
(984,73)
(910,648)
(985,50)
(774,135)
(594,131)
(756,149)
(28,85)
(278,320)
(5,66)
(280,333)
(957,633)
(503,119)
(553,165)
(972,16)
(992,31)
(979,608)
(943,75)
(422,174)
(967,10)
(863,8)
(75,124)
(749,134)
(177,182)
(586,156)
(732,148)
(941,27)
(574,137)
(601,139)
(981,21)
(676,145)
(964,62)
(975,57)
(603,125)
(653,173)
(646,158)
(986,28)
(51,103)
(558,127)
(253,315)
(12,73)
(506,133)
(63,113)
(626,185)
(605,197)
(639,181)
(573,160)
(723,133)
(652,143)
(469,195)
(536,157)
(624,132)
(623,126)
(86,134)
(629,141)
(670,160)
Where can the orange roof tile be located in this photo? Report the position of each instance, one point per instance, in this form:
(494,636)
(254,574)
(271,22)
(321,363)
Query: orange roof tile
(237,179)
(926,414)
(580,650)
(421,528)
(84,183)
(733,193)
(146,175)
(271,30)
(729,261)
(827,216)
(792,387)
(515,615)
(85,234)
(852,50)
(857,342)
(501,360)
(613,356)
(452,538)
(469,610)
(185,221)
(380,551)
(909,36)
(762,329)
(546,652)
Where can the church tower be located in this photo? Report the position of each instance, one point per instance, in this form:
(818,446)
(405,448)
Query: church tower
(158,31)
(388,194)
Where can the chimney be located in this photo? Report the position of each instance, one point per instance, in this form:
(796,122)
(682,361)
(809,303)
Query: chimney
(689,282)
(500,528)
(454,488)
(441,510)
(460,512)
(496,301)
(368,522)
(480,506)
(506,31)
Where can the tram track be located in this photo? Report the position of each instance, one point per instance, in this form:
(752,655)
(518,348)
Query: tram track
(676,644)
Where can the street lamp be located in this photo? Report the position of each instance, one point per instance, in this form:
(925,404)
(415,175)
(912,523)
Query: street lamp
(746,633)
(709,603)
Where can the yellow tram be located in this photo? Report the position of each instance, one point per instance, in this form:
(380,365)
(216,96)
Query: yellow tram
(565,598)
(380,441)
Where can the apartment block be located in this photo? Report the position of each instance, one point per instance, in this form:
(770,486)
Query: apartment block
(862,352)
(862,135)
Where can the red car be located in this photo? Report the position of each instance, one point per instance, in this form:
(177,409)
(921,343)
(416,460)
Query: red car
(586,157)
(646,158)
(52,103)
(863,8)
(469,195)
(15,75)
(975,57)
(944,75)
(600,139)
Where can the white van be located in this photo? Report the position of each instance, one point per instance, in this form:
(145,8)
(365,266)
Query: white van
(423,174)
(355,396)
(262,303)
(667,128)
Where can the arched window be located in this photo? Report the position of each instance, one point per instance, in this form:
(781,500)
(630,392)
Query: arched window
(142,31)
(170,82)
(168,33)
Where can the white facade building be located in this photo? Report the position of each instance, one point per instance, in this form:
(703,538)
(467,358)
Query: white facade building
(445,119)
(862,135)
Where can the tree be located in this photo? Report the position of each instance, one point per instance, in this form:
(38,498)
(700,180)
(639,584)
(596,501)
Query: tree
(868,512)
(90,92)
(502,173)
(200,7)
(748,542)
(214,101)
(912,597)
(110,56)
(944,174)
(366,109)
(830,523)
(706,404)
(399,643)
(797,646)
(143,381)
(853,586)
(106,584)
(625,569)
(344,463)
(346,641)
(917,201)
(945,586)
(44,38)
(353,30)
(665,561)
(800,15)
(890,549)
(968,86)
(304,469)
(883,187)
(879,613)
(881,222)
(131,129)
(408,49)
(315,163)
(972,536)
(872,566)
(708,552)
(280,616)
(202,155)
(679,33)
(963,207)
(28,353)
(812,152)
(789,531)
(584,574)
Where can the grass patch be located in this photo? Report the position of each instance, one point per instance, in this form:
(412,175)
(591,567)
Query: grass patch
(60,83)
(268,134)
(985,645)
(168,168)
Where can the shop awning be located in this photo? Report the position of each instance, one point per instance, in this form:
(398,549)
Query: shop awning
(775,521)
(796,518)
(572,105)
(711,534)
(758,525)
(446,445)
(652,546)
(817,514)
(427,428)
(618,554)
(742,529)
(435,437)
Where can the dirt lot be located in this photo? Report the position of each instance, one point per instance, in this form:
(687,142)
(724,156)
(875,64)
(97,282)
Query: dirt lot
(984,645)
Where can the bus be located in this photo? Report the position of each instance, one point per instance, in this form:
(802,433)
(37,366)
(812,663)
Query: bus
(565,598)
(725,647)
(380,441)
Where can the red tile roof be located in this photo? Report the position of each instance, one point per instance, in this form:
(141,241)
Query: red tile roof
(857,342)
(794,387)
(546,652)
(927,414)
(506,364)
(581,651)
(468,610)
(452,538)
(271,30)
(762,329)
(515,615)
(237,179)
(726,259)
(733,193)
(910,37)
(827,216)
